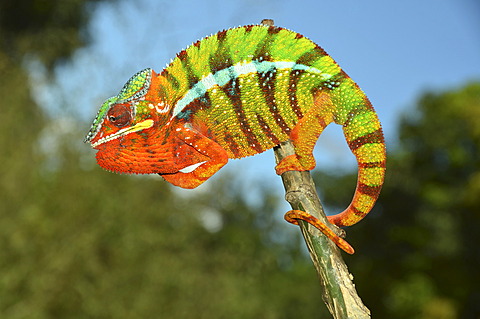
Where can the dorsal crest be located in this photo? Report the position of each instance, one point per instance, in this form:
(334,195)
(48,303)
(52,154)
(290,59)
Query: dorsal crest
(136,87)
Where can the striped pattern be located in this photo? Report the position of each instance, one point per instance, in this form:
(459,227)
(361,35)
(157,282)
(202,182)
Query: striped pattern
(242,69)
(252,85)
(241,91)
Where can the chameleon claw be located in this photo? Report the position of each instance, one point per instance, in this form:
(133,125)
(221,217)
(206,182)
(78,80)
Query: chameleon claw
(293,216)
(289,163)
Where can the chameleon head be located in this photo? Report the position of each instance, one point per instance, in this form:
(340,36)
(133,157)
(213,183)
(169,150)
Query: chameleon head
(119,115)
(122,121)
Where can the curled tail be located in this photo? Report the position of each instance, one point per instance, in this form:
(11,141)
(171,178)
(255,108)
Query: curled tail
(364,135)
(349,107)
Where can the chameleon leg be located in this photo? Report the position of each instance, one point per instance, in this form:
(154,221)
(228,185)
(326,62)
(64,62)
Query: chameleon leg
(292,216)
(304,137)
(305,134)
(209,155)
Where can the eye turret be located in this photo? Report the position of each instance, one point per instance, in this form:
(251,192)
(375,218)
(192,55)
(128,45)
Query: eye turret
(137,86)
(119,115)
(120,110)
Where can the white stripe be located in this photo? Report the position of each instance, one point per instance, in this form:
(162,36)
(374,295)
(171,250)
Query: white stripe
(209,81)
(285,65)
(191,168)
(124,131)
(224,76)
(244,68)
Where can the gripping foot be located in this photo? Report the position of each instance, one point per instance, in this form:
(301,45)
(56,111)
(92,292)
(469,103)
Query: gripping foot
(293,216)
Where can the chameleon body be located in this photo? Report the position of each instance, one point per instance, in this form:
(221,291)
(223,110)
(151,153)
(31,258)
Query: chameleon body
(234,94)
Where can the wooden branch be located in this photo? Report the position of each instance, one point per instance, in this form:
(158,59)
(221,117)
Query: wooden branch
(339,292)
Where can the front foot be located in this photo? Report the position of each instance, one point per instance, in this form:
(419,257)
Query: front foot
(289,163)
(293,216)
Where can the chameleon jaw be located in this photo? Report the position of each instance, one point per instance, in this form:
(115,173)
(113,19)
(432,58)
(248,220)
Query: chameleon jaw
(137,127)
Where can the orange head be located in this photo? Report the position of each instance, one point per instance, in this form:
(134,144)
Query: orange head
(126,131)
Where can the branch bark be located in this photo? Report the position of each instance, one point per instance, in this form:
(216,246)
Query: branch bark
(339,292)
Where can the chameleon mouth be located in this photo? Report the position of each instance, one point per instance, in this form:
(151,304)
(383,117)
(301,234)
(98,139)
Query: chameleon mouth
(137,127)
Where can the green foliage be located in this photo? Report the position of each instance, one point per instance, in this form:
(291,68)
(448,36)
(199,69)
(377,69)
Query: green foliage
(78,242)
(48,30)
(81,242)
(94,244)
(417,252)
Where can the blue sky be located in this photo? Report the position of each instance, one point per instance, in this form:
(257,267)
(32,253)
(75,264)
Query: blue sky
(394,50)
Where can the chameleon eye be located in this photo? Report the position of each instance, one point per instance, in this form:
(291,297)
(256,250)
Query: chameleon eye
(119,115)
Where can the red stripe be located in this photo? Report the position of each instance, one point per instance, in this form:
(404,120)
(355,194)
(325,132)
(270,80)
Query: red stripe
(373,137)
(292,92)
(372,191)
(234,95)
(381,164)
(266,129)
(267,82)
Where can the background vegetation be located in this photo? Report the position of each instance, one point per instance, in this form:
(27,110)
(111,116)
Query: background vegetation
(76,242)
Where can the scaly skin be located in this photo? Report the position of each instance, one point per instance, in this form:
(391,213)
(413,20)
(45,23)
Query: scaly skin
(234,94)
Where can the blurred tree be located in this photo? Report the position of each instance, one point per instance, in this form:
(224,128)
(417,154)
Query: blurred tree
(44,30)
(79,242)
(417,253)
(49,30)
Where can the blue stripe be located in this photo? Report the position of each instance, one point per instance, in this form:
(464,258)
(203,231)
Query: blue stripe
(222,77)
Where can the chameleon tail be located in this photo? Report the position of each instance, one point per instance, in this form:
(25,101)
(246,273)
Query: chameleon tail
(365,138)
(363,133)
(304,136)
